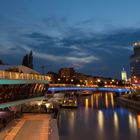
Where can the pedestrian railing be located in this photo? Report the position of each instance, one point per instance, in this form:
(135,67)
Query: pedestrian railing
(22,76)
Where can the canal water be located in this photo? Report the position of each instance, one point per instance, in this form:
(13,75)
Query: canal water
(99,117)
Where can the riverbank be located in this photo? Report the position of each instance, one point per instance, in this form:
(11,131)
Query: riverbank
(129,103)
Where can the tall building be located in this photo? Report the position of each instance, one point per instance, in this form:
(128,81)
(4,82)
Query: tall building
(124,75)
(135,63)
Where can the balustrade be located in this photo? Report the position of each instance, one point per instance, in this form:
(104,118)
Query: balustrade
(21,76)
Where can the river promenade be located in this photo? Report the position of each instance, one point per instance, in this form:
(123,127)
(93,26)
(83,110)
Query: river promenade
(31,126)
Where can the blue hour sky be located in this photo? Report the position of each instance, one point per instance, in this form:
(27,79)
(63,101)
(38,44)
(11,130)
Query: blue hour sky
(93,36)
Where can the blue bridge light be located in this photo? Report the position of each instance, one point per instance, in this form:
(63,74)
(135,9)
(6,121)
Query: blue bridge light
(119,90)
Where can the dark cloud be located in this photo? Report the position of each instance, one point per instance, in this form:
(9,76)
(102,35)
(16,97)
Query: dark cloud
(110,51)
(90,52)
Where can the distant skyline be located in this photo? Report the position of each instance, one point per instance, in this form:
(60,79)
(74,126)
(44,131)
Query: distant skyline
(93,36)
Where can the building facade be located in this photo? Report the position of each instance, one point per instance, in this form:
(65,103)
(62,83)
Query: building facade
(68,73)
(135,63)
(124,75)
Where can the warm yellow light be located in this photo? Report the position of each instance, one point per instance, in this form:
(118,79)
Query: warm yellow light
(49,105)
(138,117)
(86,103)
(112,100)
(39,103)
(106,100)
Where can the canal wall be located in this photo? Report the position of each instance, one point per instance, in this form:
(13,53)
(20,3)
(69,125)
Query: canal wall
(129,103)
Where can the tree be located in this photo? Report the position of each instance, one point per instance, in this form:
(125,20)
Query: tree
(31,60)
(28,60)
(1,62)
(25,60)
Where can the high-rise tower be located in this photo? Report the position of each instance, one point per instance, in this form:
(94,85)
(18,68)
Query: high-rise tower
(124,75)
(135,63)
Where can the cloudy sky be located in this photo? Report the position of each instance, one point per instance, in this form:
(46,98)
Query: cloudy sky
(93,36)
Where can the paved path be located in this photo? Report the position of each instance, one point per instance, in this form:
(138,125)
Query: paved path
(32,127)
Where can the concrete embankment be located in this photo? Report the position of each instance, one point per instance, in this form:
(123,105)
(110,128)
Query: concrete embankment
(129,103)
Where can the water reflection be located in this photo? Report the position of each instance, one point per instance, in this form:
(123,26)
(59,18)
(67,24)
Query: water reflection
(100,120)
(92,101)
(112,100)
(71,120)
(138,117)
(132,123)
(98,117)
(96,97)
(86,103)
(116,122)
(106,100)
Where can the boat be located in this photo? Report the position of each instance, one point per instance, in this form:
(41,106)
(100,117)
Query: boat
(70,103)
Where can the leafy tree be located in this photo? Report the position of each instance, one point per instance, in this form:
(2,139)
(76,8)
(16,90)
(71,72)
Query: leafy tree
(28,60)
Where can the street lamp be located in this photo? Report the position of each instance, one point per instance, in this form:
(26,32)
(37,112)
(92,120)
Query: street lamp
(71,80)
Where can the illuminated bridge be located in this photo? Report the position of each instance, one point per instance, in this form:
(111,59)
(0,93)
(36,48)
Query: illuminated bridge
(18,88)
(117,90)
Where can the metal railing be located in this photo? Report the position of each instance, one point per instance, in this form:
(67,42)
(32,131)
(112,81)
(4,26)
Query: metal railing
(22,76)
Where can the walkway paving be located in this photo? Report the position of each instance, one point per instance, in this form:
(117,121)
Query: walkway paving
(34,127)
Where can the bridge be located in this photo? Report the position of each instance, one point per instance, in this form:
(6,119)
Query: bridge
(18,88)
(118,90)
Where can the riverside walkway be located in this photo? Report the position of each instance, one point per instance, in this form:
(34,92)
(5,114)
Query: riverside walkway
(33,127)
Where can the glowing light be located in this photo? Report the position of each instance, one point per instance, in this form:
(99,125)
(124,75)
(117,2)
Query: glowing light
(100,120)
(106,100)
(71,80)
(138,117)
(116,124)
(39,104)
(97,104)
(72,120)
(49,105)
(112,100)
(86,103)
(87,88)
(132,123)
(92,102)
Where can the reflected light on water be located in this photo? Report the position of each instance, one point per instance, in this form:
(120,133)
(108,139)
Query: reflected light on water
(130,120)
(96,97)
(71,121)
(92,101)
(106,100)
(138,117)
(132,123)
(86,103)
(100,120)
(112,100)
(86,114)
(116,122)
